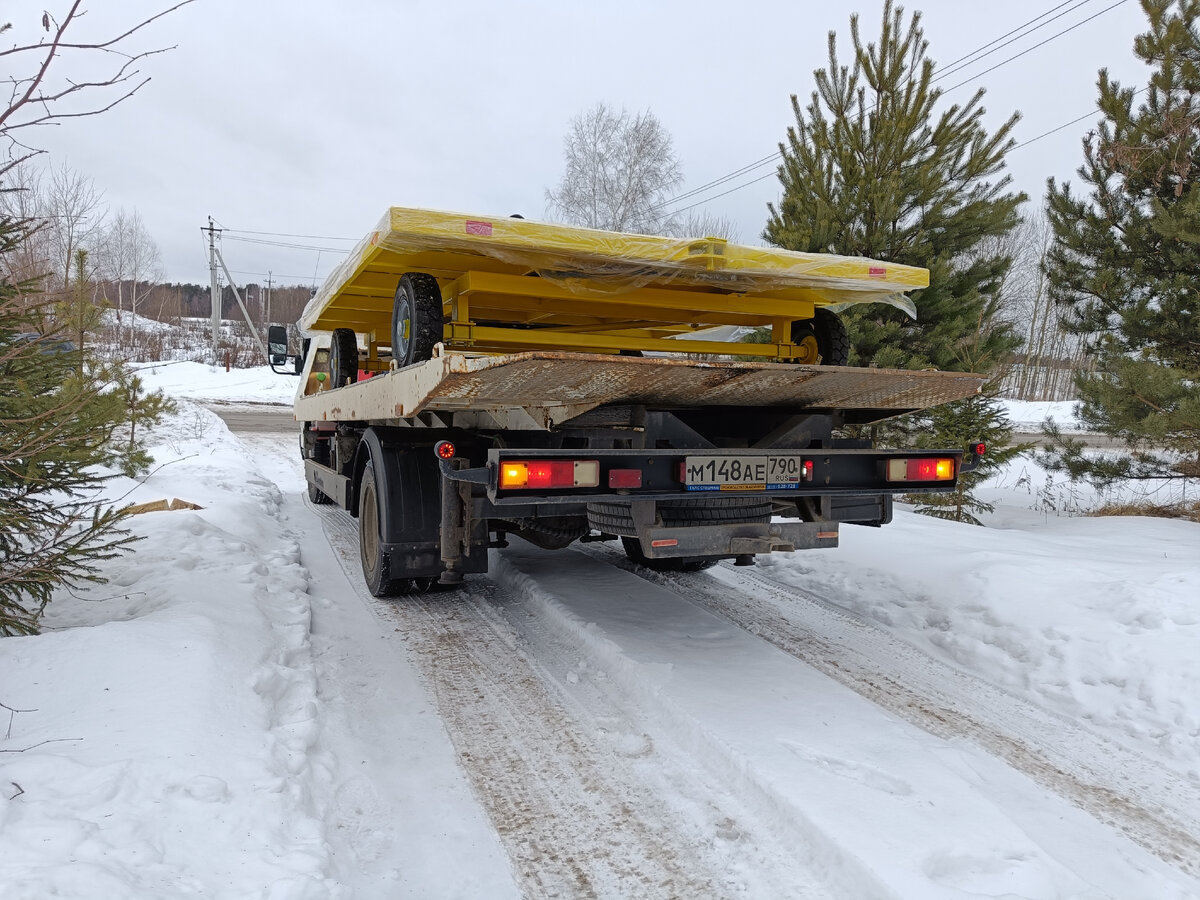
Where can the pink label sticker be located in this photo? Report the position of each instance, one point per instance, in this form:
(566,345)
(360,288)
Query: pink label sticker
(481,228)
(877,271)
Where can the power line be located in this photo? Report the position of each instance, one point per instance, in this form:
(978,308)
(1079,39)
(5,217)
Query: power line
(311,237)
(971,58)
(305,279)
(1086,115)
(770,159)
(287,244)
(1035,46)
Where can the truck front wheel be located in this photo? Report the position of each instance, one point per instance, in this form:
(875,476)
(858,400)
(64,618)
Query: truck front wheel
(376,561)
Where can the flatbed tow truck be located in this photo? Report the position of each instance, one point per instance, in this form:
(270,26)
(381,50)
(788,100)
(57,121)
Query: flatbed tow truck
(466,378)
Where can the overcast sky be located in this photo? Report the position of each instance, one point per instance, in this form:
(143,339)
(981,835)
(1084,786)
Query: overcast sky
(311,119)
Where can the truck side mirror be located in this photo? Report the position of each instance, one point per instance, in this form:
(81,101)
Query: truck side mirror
(277,344)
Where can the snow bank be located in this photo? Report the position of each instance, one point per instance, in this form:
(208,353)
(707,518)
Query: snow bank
(198,381)
(1096,618)
(165,746)
(1028,415)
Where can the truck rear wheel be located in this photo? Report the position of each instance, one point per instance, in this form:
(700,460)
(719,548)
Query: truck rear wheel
(343,358)
(416,318)
(376,561)
(825,338)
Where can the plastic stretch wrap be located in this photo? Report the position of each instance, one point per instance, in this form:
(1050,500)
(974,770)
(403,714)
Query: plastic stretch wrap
(591,263)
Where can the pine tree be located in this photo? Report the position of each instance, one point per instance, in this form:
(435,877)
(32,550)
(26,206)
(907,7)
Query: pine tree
(980,418)
(871,169)
(57,418)
(1125,260)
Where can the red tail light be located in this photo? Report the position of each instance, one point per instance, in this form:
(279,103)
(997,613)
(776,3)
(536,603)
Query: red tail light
(541,474)
(927,469)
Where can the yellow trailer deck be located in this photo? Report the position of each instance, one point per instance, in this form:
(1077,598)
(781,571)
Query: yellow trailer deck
(510,284)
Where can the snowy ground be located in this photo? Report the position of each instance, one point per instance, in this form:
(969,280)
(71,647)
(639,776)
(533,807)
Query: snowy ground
(932,710)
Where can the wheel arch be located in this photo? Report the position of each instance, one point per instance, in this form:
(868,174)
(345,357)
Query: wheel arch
(405,515)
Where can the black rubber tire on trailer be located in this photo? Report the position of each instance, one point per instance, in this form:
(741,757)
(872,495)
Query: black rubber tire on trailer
(633,549)
(376,562)
(316,495)
(343,358)
(826,333)
(416,318)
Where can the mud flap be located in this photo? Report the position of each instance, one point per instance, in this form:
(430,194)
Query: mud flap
(410,516)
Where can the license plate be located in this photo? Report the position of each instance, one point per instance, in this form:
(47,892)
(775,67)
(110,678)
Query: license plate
(741,473)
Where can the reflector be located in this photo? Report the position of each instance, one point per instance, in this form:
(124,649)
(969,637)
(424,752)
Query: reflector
(625,478)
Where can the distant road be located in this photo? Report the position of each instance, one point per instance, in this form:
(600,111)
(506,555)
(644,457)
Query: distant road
(256,418)
(1099,441)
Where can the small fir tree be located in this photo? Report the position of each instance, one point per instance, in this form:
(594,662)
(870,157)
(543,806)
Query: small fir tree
(1124,262)
(141,409)
(982,419)
(56,424)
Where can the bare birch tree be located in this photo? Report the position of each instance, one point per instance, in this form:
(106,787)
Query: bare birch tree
(130,263)
(620,168)
(74,212)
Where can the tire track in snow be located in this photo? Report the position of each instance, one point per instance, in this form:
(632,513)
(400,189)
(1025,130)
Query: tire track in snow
(577,819)
(1115,785)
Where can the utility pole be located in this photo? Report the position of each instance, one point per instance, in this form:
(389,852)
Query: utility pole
(215,287)
(245,313)
(268,297)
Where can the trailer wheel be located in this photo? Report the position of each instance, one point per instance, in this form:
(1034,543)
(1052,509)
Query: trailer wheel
(633,550)
(416,318)
(376,562)
(316,495)
(343,358)
(824,337)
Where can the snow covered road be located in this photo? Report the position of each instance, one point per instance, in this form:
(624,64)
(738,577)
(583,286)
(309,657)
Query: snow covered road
(569,726)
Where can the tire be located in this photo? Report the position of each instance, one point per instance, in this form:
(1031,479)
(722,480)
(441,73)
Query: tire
(343,358)
(376,562)
(825,337)
(633,549)
(318,452)
(615,518)
(416,319)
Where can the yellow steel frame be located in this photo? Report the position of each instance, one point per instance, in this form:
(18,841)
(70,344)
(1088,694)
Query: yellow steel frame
(514,284)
